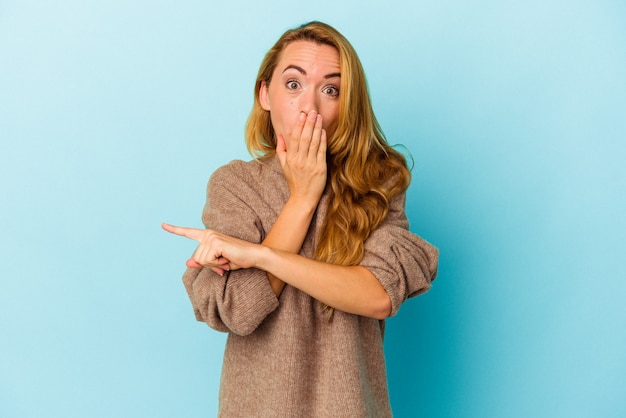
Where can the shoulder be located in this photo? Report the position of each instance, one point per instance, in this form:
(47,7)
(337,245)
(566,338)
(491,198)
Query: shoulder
(246,179)
(248,171)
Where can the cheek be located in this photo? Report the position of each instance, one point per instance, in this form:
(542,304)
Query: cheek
(289,114)
(284,120)
(331,118)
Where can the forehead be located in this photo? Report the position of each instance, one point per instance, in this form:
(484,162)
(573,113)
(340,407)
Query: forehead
(311,55)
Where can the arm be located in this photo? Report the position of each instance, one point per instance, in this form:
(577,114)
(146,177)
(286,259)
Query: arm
(288,234)
(404,263)
(235,301)
(397,265)
(352,289)
(303,160)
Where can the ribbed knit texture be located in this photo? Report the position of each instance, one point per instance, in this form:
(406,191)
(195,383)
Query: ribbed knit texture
(282,357)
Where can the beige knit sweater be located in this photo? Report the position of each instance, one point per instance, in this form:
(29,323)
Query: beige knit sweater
(282,357)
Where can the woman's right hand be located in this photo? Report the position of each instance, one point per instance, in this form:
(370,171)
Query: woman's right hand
(302,156)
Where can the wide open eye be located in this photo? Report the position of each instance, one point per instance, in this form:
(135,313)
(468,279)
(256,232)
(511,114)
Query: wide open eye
(292,85)
(331,91)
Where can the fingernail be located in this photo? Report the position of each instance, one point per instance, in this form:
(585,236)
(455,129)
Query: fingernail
(302,116)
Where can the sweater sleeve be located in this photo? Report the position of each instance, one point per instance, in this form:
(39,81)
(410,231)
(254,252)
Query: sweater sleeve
(404,263)
(241,299)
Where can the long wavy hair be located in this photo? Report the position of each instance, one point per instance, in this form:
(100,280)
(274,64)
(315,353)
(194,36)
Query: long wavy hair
(364,171)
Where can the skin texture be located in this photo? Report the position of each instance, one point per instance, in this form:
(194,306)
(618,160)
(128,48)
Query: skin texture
(303,100)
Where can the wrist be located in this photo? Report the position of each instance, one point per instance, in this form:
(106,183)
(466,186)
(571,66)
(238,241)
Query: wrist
(264,258)
(302,205)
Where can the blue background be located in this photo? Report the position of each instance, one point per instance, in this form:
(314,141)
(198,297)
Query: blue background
(113,114)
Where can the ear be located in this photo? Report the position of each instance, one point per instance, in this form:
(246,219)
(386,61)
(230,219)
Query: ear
(264,96)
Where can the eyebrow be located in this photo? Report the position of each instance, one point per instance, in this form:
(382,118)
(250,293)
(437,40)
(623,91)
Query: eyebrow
(303,72)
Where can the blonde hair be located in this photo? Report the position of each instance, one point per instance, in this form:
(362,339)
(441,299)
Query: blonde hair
(364,171)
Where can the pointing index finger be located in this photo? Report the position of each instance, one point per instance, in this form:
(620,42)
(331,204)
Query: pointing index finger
(191,233)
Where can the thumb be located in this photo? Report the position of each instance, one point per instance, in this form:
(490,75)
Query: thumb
(281,148)
(191,263)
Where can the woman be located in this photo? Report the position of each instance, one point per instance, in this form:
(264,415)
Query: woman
(307,248)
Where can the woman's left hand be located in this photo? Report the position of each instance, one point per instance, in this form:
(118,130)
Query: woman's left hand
(216,251)
(302,156)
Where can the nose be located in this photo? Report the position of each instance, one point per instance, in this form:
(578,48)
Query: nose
(309,101)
